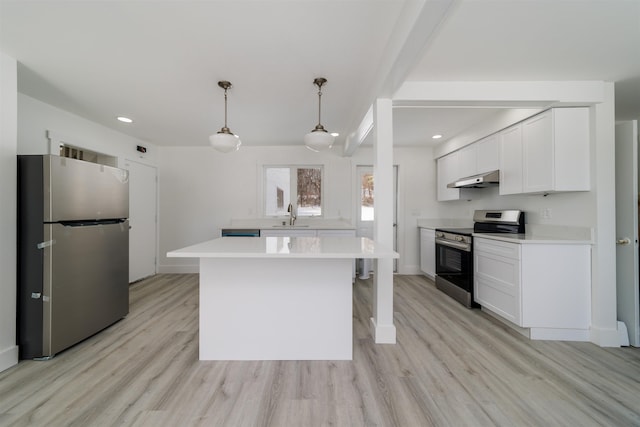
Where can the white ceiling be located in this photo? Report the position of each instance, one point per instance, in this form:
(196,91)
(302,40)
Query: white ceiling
(159,62)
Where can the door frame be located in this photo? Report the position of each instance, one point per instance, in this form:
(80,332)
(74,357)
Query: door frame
(627,262)
(357,173)
(127,165)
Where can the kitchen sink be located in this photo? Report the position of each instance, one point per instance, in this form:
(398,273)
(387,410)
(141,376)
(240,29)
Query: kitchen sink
(290,226)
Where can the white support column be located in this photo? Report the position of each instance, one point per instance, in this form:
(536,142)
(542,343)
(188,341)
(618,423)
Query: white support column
(383,329)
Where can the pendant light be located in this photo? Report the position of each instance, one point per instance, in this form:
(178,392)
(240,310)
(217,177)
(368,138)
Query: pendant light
(319,139)
(225,141)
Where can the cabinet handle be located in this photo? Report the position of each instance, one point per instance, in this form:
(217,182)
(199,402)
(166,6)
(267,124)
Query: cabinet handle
(624,241)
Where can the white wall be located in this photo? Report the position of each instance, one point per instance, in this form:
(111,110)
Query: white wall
(8,148)
(567,209)
(202,190)
(35,118)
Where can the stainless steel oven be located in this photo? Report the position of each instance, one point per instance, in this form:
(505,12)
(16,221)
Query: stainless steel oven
(454,251)
(454,264)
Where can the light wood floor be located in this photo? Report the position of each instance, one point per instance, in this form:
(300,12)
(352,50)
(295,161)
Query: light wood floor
(451,367)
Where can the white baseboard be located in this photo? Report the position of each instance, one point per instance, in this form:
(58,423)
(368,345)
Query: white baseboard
(178,269)
(623,334)
(8,357)
(609,337)
(556,334)
(383,334)
(409,269)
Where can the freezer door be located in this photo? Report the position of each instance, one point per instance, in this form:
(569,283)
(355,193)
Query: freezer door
(75,190)
(86,281)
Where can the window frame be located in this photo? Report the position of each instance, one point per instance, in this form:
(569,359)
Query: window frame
(293,189)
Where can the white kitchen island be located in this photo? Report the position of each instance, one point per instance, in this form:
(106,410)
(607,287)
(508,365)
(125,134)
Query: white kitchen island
(278,298)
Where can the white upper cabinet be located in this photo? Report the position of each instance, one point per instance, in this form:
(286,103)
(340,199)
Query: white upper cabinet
(547,153)
(556,151)
(511,160)
(488,154)
(448,171)
(467,161)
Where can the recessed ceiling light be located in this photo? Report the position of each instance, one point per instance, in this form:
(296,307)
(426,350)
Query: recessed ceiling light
(438,136)
(335,134)
(125,119)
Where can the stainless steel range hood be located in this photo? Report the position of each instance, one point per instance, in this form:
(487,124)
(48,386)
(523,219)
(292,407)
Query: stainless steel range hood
(482,180)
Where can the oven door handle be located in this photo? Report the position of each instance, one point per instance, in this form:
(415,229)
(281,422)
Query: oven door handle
(462,246)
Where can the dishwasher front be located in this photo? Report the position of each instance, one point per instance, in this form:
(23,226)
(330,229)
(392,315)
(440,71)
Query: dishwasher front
(240,232)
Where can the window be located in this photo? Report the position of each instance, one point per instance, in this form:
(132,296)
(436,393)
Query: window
(366,197)
(299,185)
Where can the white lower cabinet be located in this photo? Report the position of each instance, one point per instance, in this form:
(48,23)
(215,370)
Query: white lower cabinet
(287,233)
(497,278)
(428,252)
(545,287)
(306,232)
(336,233)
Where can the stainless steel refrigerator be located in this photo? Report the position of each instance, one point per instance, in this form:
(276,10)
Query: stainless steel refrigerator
(73,252)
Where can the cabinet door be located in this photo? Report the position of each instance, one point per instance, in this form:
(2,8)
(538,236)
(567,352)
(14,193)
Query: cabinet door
(511,160)
(488,154)
(556,286)
(497,285)
(537,154)
(428,252)
(336,233)
(467,161)
(447,171)
(287,233)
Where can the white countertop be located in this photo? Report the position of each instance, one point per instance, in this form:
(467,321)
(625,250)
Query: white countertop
(303,223)
(285,247)
(530,238)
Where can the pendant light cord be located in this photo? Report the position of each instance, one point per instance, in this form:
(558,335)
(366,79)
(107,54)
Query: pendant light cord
(225,108)
(319,105)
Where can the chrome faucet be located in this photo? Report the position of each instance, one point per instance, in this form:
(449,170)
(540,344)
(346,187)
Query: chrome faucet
(292,216)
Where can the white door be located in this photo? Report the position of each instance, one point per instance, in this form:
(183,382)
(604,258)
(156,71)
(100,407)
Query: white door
(142,218)
(628,294)
(365,209)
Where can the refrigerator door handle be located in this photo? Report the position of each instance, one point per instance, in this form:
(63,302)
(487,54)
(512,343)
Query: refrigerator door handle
(48,243)
(85,223)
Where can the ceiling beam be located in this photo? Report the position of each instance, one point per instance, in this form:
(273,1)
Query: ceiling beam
(414,30)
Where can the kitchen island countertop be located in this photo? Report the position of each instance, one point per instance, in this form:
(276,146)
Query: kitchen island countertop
(286,247)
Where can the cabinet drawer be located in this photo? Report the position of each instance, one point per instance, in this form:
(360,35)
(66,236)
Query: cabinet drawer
(500,298)
(497,280)
(495,247)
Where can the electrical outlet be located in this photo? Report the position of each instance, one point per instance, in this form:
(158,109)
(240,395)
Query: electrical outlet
(546,213)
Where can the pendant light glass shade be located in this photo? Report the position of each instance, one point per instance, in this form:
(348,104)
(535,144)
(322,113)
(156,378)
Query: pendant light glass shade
(319,139)
(225,141)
